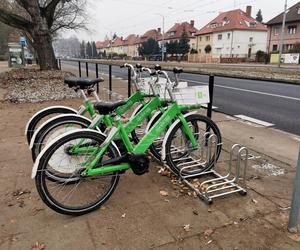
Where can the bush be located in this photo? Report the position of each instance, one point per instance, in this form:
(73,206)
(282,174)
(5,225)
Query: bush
(194,51)
(207,49)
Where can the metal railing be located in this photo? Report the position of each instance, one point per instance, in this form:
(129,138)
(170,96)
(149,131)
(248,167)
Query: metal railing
(88,62)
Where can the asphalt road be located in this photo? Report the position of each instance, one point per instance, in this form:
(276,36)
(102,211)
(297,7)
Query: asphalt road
(272,102)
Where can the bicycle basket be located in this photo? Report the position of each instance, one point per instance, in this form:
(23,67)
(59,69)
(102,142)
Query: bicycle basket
(191,95)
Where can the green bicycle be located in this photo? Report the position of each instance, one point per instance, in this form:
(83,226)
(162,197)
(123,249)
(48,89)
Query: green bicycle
(90,163)
(62,123)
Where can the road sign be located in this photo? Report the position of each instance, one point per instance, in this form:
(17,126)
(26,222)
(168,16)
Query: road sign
(22,41)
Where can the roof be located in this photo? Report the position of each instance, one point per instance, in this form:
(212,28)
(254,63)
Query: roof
(104,44)
(291,16)
(118,41)
(178,28)
(232,20)
(154,33)
(131,39)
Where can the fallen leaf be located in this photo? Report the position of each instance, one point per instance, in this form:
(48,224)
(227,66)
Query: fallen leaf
(163,193)
(195,212)
(254,201)
(208,232)
(38,246)
(36,210)
(209,242)
(123,215)
(13,221)
(20,192)
(187,227)
(204,187)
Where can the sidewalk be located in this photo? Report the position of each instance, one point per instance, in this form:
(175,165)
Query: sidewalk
(137,216)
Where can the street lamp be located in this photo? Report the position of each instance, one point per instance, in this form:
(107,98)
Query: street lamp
(163,37)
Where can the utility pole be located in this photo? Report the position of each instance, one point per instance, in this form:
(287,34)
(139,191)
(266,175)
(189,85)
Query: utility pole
(282,34)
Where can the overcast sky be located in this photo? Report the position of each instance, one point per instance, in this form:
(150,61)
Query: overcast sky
(124,17)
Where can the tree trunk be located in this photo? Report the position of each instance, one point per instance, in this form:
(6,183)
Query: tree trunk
(42,41)
(45,52)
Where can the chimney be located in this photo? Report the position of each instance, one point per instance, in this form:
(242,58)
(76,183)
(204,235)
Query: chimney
(159,30)
(192,22)
(248,11)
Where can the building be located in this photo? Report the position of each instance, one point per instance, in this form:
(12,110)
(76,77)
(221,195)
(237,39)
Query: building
(131,45)
(291,30)
(103,47)
(117,46)
(153,33)
(231,34)
(176,31)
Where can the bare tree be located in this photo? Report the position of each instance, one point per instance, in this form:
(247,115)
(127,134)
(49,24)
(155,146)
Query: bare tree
(39,21)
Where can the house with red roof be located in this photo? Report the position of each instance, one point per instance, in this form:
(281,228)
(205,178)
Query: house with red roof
(153,33)
(117,45)
(232,34)
(175,32)
(103,47)
(131,45)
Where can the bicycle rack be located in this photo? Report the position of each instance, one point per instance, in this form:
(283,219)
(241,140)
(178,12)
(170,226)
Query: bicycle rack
(214,184)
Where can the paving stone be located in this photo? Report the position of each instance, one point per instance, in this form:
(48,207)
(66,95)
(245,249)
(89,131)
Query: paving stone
(253,234)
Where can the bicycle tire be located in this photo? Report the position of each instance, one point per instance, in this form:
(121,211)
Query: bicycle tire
(41,177)
(171,161)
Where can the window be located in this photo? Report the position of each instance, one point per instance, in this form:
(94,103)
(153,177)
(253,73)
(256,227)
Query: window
(288,47)
(220,37)
(228,35)
(207,38)
(252,24)
(275,47)
(200,38)
(299,11)
(250,39)
(276,31)
(292,29)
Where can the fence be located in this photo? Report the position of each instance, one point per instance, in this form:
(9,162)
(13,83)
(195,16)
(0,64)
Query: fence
(81,63)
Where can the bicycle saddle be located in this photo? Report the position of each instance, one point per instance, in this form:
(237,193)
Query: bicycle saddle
(177,70)
(105,108)
(82,82)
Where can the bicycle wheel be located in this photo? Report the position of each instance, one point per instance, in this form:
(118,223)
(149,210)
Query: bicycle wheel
(180,153)
(156,146)
(54,128)
(86,193)
(43,115)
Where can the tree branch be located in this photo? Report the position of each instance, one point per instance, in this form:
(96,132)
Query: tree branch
(50,11)
(15,21)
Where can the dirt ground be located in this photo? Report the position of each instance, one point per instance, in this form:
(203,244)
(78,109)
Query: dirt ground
(138,216)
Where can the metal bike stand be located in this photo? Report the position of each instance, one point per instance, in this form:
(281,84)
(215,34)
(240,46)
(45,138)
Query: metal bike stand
(214,184)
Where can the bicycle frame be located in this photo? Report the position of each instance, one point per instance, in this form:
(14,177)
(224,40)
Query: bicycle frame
(174,111)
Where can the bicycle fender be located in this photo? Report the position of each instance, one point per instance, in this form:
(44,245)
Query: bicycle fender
(45,109)
(163,151)
(136,110)
(37,162)
(151,121)
(50,120)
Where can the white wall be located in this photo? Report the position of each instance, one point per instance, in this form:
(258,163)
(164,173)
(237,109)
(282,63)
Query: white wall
(240,40)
